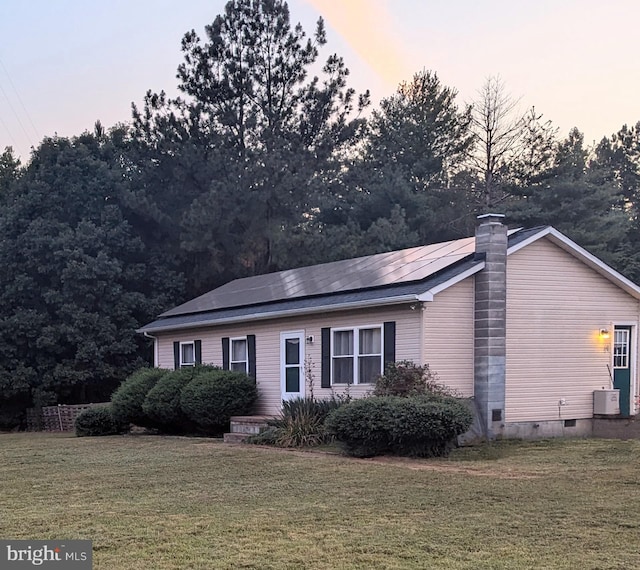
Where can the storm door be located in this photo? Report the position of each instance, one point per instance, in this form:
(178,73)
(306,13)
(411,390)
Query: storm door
(292,365)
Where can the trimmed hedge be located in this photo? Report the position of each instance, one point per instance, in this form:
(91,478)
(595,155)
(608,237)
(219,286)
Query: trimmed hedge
(162,403)
(214,395)
(99,420)
(127,400)
(421,426)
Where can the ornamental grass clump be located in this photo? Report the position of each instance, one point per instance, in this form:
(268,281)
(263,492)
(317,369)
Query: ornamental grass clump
(300,423)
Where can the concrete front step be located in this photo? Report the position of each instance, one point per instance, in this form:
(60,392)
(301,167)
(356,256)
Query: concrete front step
(244,426)
(249,424)
(236,437)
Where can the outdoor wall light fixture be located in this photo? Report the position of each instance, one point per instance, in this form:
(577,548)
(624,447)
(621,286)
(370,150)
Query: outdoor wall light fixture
(604,334)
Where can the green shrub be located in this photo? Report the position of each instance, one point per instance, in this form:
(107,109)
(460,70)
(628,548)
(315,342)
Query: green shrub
(422,426)
(214,395)
(162,403)
(99,420)
(404,378)
(301,423)
(127,400)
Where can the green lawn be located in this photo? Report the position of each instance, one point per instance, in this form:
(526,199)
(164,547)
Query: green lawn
(158,503)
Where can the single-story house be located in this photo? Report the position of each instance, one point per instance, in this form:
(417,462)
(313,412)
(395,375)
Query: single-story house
(524,321)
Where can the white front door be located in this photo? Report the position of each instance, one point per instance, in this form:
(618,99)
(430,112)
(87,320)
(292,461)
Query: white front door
(292,364)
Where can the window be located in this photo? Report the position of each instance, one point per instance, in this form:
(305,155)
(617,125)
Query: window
(343,357)
(356,355)
(238,356)
(187,354)
(369,355)
(621,348)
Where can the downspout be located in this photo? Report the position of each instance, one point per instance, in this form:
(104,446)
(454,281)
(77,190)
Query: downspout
(155,347)
(423,316)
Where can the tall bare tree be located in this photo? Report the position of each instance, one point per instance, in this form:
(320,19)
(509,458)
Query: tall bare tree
(499,129)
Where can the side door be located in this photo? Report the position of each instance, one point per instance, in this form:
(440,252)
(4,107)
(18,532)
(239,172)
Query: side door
(292,365)
(622,366)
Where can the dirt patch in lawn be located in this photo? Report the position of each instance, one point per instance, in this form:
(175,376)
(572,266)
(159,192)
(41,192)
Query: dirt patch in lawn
(439,466)
(415,464)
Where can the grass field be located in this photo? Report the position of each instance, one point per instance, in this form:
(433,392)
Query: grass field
(157,503)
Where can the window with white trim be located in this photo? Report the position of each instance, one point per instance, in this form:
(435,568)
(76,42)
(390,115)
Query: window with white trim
(356,355)
(621,348)
(187,354)
(238,357)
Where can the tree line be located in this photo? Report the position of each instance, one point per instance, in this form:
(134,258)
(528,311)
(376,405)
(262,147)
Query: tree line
(261,165)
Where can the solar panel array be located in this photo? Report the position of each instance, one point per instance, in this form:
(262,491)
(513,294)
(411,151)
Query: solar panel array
(379,270)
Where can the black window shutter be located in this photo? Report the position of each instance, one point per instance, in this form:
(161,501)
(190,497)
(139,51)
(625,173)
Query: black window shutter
(325,361)
(251,353)
(197,349)
(389,342)
(176,355)
(225,353)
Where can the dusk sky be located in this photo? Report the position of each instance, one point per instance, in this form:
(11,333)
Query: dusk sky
(66,63)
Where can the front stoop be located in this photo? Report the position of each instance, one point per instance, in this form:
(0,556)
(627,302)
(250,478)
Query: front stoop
(244,426)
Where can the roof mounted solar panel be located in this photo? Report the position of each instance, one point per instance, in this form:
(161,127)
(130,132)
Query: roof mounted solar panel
(379,270)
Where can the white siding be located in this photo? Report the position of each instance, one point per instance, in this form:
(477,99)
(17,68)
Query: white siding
(268,346)
(448,336)
(555,308)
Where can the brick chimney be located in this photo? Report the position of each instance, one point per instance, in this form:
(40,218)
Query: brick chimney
(490,324)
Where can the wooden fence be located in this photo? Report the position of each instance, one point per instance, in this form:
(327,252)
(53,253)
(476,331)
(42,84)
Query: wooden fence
(56,418)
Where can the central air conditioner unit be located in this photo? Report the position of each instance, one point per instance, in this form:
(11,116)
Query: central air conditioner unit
(606,402)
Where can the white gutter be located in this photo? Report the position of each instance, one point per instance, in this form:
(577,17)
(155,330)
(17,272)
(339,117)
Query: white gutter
(399,300)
